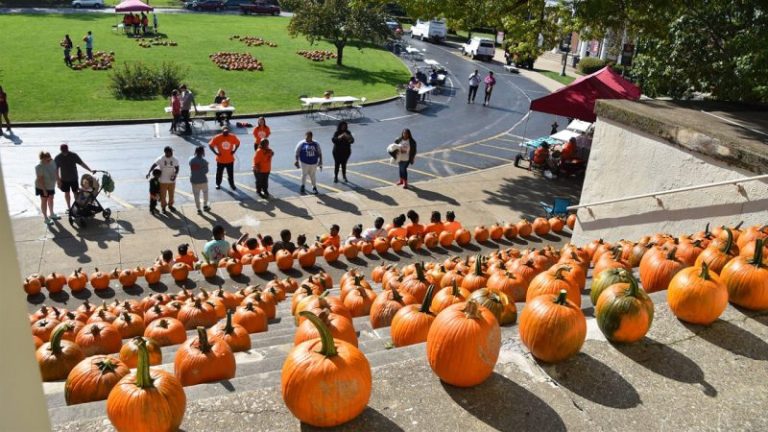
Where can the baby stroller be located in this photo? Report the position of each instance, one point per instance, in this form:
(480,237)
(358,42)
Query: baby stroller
(85,205)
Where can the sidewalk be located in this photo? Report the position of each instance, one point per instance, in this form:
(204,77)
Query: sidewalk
(547,61)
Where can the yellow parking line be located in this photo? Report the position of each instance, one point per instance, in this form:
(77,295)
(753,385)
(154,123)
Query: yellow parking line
(509,140)
(322,185)
(186,194)
(451,163)
(414,169)
(483,155)
(121,201)
(369,177)
(499,147)
(246,187)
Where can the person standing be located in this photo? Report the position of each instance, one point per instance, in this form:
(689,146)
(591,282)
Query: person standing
(342,150)
(88,39)
(187,103)
(224,146)
(67,45)
(474,83)
(262,165)
(198,170)
(405,156)
(490,82)
(144,23)
(69,180)
(4,111)
(154,21)
(553,127)
(311,157)
(175,110)
(46,177)
(169,167)
(260,132)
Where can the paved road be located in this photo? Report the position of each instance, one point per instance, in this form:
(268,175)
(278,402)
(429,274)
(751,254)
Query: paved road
(453,137)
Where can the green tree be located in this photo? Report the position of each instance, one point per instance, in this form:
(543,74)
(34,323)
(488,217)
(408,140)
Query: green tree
(340,22)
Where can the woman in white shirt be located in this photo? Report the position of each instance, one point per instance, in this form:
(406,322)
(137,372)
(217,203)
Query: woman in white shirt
(405,156)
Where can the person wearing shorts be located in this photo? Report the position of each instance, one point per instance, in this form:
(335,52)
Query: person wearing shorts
(46,177)
(169,168)
(66,164)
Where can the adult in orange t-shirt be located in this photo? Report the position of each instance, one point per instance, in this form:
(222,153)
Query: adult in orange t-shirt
(435,225)
(398,230)
(262,165)
(568,151)
(260,132)
(224,146)
(415,228)
(450,222)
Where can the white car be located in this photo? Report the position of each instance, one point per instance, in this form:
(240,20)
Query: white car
(434,31)
(479,48)
(98,4)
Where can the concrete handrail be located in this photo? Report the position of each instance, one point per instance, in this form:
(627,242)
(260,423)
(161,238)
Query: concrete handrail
(671,191)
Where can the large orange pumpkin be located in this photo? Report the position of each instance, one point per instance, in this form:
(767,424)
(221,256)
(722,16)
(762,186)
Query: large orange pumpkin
(340,327)
(411,323)
(129,325)
(553,327)
(325,382)
(446,238)
(55,282)
(93,378)
(463,344)
(551,282)
(251,317)
(657,268)
(196,313)
(129,353)
(166,331)
(717,254)
(146,391)
(482,234)
(448,296)
(99,280)
(386,306)
(99,338)
(200,360)
(463,237)
(624,312)
(541,226)
(524,228)
(696,295)
(477,279)
(57,357)
(235,335)
(747,279)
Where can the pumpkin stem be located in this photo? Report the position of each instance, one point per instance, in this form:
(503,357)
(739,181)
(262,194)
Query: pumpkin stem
(396,295)
(420,272)
(757,259)
(108,364)
(560,270)
(704,271)
(471,310)
(328,348)
(727,247)
(143,378)
(562,297)
(671,254)
(738,225)
(228,328)
(127,317)
(633,287)
(478,265)
(706,230)
(202,336)
(427,299)
(163,323)
(56,338)
(455,288)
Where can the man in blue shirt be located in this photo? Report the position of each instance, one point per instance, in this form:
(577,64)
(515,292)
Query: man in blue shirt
(89,45)
(309,157)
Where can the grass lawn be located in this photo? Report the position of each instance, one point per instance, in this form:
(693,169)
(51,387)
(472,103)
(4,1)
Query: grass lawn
(556,76)
(40,87)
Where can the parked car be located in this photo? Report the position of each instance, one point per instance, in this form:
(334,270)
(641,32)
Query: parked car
(205,5)
(259,7)
(98,4)
(235,4)
(394,25)
(433,30)
(479,48)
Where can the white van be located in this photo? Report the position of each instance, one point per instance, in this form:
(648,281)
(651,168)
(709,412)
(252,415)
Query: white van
(433,30)
(98,4)
(479,48)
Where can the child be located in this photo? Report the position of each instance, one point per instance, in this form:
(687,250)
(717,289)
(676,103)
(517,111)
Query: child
(237,247)
(377,231)
(415,228)
(435,224)
(356,236)
(175,109)
(267,242)
(451,224)
(165,261)
(154,190)
(262,165)
(86,190)
(284,243)
(333,238)
(186,256)
(216,249)
(79,55)
(397,228)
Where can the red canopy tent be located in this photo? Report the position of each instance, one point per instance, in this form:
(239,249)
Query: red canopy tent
(577,99)
(133,6)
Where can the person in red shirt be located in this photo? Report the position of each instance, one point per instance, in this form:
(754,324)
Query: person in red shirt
(224,146)
(414,228)
(435,224)
(262,165)
(568,151)
(186,256)
(541,155)
(451,224)
(333,238)
(260,132)
(175,110)
(398,230)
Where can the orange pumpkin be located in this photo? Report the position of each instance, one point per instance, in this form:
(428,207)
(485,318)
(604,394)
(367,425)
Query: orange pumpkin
(386,306)
(657,268)
(284,260)
(482,234)
(624,311)
(208,269)
(93,378)
(325,382)
(129,325)
(411,324)
(358,300)
(251,317)
(129,353)
(463,237)
(717,254)
(197,313)
(99,280)
(556,224)
(350,251)
(235,335)
(200,360)
(397,244)
(570,221)
(331,254)
(341,327)
(463,344)
(55,282)
(541,226)
(552,327)
(696,295)
(416,284)
(179,272)
(57,357)
(551,283)
(33,284)
(448,296)
(43,328)
(510,231)
(524,228)
(152,275)
(431,240)
(99,338)
(747,279)
(142,391)
(381,244)
(166,331)
(446,238)
(477,279)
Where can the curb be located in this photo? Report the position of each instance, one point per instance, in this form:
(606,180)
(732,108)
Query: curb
(167,119)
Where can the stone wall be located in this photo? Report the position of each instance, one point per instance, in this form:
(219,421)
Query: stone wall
(626,160)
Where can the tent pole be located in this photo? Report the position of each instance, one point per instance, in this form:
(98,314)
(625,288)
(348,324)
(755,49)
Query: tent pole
(525,128)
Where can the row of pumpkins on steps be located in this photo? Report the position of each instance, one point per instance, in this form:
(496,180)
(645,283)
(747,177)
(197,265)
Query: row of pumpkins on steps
(457,306)
(305,257)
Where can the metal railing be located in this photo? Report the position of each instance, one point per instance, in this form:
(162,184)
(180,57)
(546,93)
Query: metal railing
(671,191)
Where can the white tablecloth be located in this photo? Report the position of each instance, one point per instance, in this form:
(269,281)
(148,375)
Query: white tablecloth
(209,109)
(332,100)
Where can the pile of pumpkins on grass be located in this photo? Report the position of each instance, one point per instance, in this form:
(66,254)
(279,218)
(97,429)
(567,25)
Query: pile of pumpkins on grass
(305,257)
(456,306)
(317,55)
(101,61)
(235,61)
(155,41)
(253,41)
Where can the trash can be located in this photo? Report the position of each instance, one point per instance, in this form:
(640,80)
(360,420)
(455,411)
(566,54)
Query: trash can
(411,99)
(575,61)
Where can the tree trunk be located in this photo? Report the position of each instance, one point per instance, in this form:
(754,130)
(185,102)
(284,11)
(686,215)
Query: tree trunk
(339,52)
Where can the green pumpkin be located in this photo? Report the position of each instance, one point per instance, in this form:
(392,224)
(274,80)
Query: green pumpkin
(624,313)
(605,279)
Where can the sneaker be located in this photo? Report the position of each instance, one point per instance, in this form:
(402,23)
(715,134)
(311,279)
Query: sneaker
(335,180)
(233,187)
(166,212)
(314,190)
(302,190)
(345,179)
(218,187)
(199,211)
(172,208)
(267,195)
(48,222)
(55,217)
(206,208)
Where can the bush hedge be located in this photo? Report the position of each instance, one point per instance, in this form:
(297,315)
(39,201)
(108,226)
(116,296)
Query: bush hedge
(589,65)
(141,81)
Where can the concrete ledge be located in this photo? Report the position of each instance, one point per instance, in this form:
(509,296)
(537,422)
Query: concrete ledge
(732,133)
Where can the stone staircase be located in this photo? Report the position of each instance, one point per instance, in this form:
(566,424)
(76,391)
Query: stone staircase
(256,369)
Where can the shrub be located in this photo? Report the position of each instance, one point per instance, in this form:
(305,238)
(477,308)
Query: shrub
(141,81)
(589,65)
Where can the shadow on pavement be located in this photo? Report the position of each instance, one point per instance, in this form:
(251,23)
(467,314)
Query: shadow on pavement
(732,338)
(368,420)
(529,190)
(581,373)
(528,412)
(432,196)
(667,362)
